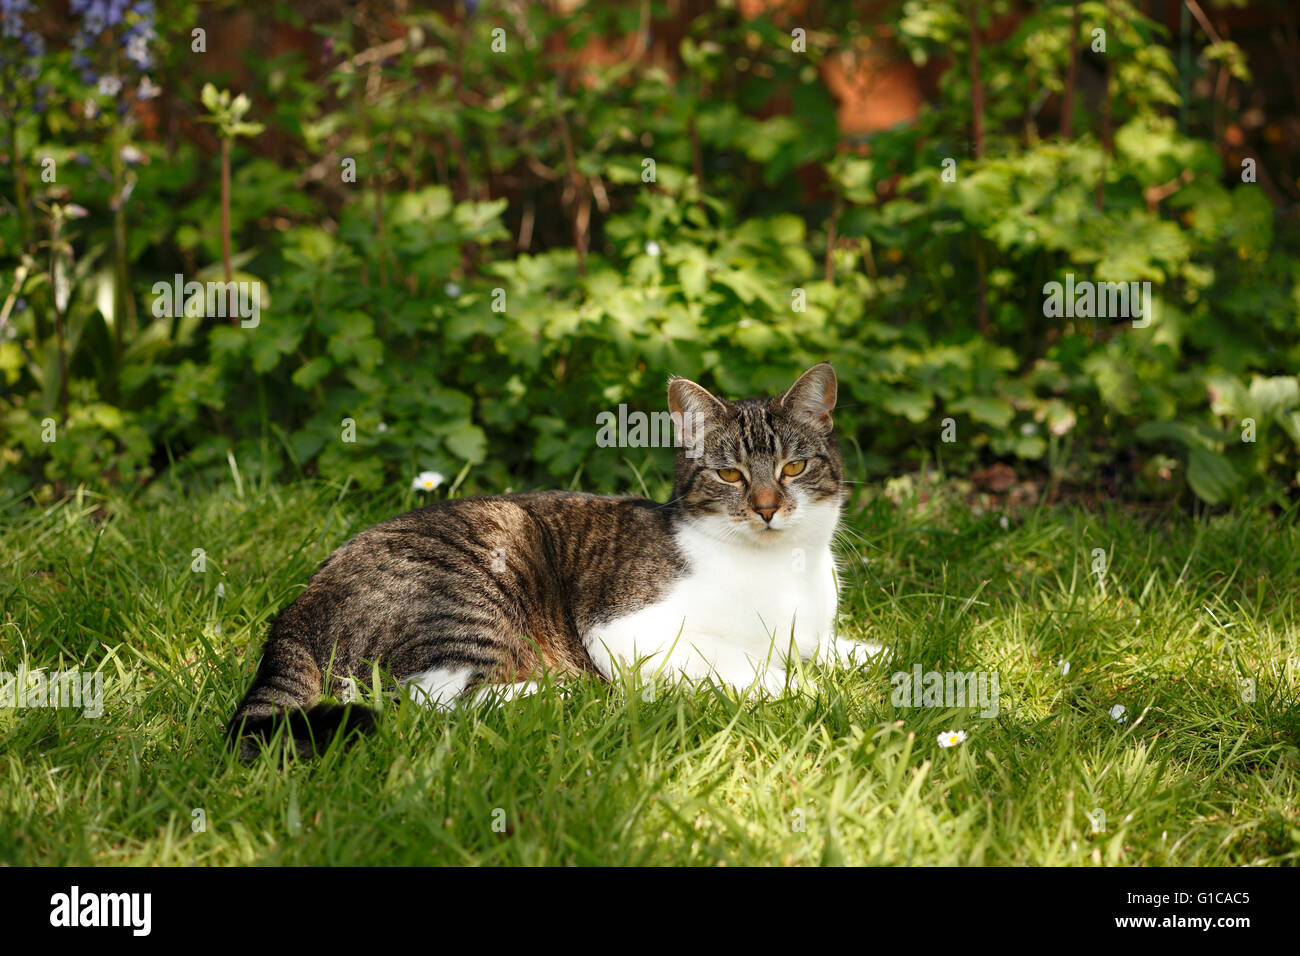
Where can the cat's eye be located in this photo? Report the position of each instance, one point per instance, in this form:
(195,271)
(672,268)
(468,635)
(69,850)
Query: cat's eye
(730,474)
(793,468)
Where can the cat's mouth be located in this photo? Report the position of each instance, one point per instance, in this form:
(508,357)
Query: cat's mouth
(767,530)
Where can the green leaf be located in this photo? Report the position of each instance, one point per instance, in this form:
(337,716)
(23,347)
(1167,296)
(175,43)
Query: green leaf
(1210,475)
(1184,435)
(914,406)
(1273,396)
(309,374)
(988,409)
(467,441)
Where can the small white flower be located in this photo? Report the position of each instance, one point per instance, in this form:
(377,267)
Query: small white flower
(951,738)
(90,109)
(221,589)
(109,85)
(131,155)
(652,248)
(1117,712)
(147,89)
(137,50)
(427,481)
(1065,666)
(1003,523)
(452,290)
(382,427)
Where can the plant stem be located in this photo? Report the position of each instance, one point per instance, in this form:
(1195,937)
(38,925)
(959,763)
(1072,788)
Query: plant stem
(977,110)
(1107,145)
(123,300)
(1071,77)
(832,235)
(56,228)
(976,85)
(20,184)
(225,229)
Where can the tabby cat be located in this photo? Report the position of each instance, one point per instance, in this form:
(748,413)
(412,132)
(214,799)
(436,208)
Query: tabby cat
(718,583)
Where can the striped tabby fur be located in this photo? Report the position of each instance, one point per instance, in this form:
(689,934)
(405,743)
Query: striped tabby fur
(496,590)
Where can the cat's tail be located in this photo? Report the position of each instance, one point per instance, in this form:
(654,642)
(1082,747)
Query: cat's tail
(286,695)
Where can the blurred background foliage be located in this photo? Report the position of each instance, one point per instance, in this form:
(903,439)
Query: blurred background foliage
(557,204)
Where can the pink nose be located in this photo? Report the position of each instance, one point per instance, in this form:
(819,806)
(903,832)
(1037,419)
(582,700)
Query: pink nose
(767,511)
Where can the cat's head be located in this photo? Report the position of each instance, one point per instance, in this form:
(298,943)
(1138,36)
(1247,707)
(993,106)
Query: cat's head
(761,470)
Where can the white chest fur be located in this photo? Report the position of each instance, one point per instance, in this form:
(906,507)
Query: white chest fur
(734,614)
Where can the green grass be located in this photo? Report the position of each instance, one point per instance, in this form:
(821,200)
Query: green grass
(1189,609)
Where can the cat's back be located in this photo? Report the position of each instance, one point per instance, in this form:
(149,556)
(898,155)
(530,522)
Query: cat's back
(565,520)
(597,554)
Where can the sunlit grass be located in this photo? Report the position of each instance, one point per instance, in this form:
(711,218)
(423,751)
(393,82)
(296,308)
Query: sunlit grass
(1188,613)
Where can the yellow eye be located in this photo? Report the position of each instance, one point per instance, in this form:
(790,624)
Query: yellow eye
(730,474)
(793,468)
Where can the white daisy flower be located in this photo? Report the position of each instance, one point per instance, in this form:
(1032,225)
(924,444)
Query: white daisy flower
(427,481)
(951,738)
(1118,711)
(652,248)
(110,85)
(1065,666)
(452,290)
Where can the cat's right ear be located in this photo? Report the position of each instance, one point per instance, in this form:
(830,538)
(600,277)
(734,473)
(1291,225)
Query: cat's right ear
(692,408)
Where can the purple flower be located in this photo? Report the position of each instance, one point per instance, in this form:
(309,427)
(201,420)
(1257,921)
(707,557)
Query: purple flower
(133,24)
(12,11)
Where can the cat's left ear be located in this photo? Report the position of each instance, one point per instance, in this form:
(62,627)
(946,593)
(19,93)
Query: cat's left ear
(812,398)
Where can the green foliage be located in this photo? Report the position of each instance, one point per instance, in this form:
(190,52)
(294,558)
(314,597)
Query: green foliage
(504,266)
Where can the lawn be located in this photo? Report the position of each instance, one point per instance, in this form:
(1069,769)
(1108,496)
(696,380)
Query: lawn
(1200,767)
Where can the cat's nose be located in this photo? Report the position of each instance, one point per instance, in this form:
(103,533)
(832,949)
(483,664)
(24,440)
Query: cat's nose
(766,506)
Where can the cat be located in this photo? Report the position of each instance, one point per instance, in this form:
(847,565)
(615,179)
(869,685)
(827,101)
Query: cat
(718,583)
